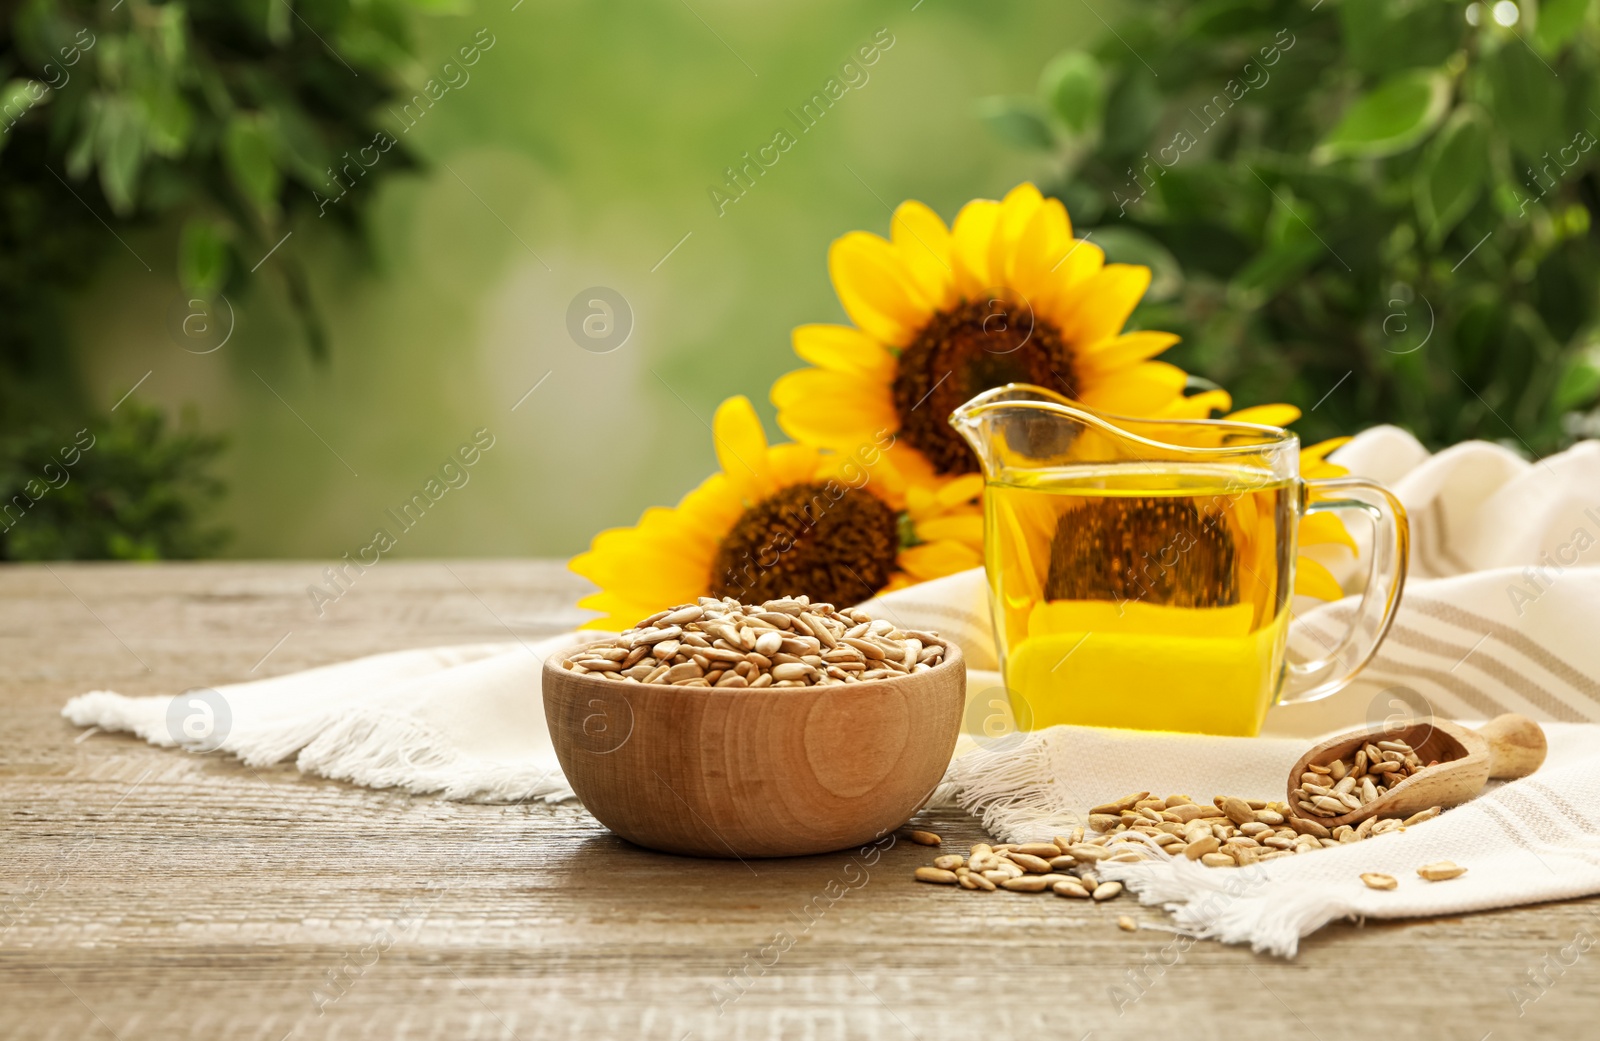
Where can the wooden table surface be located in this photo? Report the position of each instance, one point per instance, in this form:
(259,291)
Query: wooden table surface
(150,893)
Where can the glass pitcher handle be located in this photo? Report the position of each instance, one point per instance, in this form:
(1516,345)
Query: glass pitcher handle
(1386,578)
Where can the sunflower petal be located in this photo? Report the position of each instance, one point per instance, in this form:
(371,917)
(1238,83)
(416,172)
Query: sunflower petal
(841,348)
(1016,212)
(962,489)
(1314,460)
(970,237)
(1103,302)
(832,409)
(1145,389)
(1314,580)
(1120,352)
(1266,415)
(967,530)
(1199,406)
(877,291)
(1042,245)
(937,559)
(742,448)
(1323,529)
(1056,296)
(924,245)
(794,464)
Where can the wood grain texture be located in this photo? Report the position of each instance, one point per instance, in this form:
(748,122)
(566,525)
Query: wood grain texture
(774,772)
(150,894)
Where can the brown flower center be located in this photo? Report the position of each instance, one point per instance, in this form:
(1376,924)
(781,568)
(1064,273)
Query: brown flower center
(826,541)
(1155,549)
(960,353)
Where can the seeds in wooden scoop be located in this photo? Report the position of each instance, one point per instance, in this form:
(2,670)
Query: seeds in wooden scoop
(1336,788)
(1440,870)
(782,643)
(1378,880)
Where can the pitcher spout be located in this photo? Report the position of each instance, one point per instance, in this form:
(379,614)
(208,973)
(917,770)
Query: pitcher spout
(1017,420)
(1021,426)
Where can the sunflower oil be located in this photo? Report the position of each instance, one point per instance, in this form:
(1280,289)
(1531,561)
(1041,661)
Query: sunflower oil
(1145,597)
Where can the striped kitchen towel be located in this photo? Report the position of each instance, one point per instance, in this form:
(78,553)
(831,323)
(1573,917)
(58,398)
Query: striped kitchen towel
(1503,595)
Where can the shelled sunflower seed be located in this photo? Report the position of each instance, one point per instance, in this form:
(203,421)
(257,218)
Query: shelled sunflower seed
(1029,867)
(1336,788)
(782,643)
(1228,832)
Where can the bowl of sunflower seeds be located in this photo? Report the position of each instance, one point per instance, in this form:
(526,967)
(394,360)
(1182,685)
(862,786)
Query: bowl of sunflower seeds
(722,729)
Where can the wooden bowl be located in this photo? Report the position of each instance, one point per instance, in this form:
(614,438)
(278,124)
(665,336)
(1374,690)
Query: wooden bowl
(772,772)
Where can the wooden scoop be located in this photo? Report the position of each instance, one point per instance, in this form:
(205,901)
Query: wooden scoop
(1504,748)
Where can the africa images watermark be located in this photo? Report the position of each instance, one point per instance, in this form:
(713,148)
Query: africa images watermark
(452,76)
(1554,169)
(758,961)
(1552,565)
(1541,978)
(853,75)
(1182,141)
(455,472)
(35,489)
(30,94)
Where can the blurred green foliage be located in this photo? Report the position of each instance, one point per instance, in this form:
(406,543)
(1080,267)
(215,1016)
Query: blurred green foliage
(128,489)
(217,122)
(1380,208)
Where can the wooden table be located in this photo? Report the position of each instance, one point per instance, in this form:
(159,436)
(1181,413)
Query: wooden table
(150,893)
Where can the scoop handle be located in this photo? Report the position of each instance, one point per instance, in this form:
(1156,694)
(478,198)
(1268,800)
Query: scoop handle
(1517,746)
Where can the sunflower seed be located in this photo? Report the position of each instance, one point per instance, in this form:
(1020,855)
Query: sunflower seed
(1420,816)
(1378,880)
(1107,890)
(937,876)
(1440,870)
(684,671)
(1127,802)
(788,642)
(1028,862)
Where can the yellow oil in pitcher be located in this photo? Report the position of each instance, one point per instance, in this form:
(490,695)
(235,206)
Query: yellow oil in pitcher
(1149,597)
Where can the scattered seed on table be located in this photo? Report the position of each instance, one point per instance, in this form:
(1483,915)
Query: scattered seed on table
(1127,924)
(924,838)
(938,876)
(1440,870)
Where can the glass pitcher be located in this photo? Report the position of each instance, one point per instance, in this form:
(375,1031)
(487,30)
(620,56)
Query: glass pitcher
(1141,571)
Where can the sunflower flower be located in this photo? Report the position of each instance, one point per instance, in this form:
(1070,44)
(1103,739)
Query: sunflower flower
(783,520)
(1004,295)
